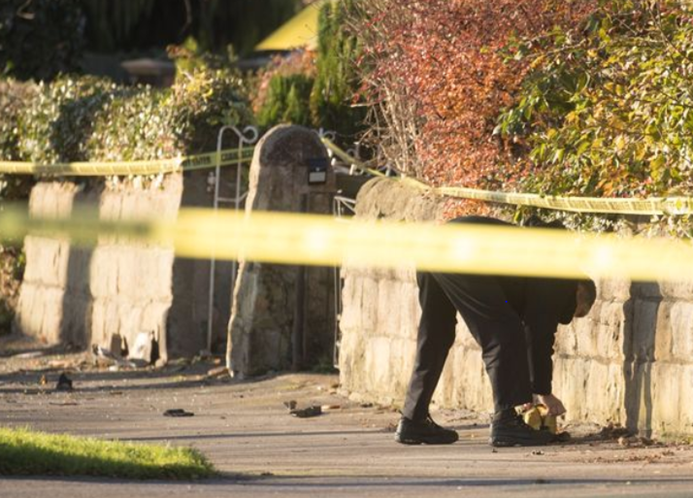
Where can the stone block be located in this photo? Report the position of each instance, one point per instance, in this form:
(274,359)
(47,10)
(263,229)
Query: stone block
(163,276)
(567,335)
(75,326)
(666,401)
(40,312)
(126,271)
(52,314)
(646,291)
(369,304)
(601,334)
(645,317)
(51,199)
(592,391)
(674,333)
(46,260)
(26,309)
(110,205)
(99,335)
(103,281)
(613,290)
(78,271)
(681,290)
(351,314)
(464,383)
(121,279)
(388,299)
(154,317)
(402,354)
(377,361)
(129,320)
(111,319)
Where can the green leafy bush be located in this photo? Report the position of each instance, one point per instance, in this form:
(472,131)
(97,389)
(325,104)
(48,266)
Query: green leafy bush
(200,103)
(91,119)
(14,96)
(607,111)
(337,80)
(287,101)
(12,263)
(56,125)
(131,125)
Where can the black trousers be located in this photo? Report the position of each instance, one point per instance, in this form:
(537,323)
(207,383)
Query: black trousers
(493,322)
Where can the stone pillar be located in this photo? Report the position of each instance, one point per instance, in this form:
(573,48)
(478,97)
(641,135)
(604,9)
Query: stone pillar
(285,175)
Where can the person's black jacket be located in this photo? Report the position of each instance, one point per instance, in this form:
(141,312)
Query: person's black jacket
(541,304)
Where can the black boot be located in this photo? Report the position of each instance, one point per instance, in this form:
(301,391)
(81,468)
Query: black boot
(509,429)
(425,432)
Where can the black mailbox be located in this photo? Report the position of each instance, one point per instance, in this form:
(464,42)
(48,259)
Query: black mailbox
(317,170)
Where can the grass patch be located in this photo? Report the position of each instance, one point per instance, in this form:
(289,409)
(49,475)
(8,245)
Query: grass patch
(26,452)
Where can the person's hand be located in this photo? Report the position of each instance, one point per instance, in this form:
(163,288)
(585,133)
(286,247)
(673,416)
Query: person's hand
(526,406)
(551,402)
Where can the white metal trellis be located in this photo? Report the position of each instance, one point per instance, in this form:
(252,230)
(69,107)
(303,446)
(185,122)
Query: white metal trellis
(248,136)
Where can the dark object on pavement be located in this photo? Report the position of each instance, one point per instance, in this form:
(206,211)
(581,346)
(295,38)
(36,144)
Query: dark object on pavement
(177,412)
(64,383)
(513,431)
(311,411)
(562,437)
(614,431)
(426,432)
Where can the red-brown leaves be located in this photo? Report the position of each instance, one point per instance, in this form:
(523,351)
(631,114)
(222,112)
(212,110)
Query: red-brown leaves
(452,61)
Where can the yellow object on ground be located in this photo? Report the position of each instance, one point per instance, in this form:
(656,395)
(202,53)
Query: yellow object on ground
(538,418)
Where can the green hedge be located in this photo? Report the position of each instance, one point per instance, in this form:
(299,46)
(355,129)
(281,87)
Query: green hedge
(13,99)
(287,101)
(337,79)
(91,119)
(606,111)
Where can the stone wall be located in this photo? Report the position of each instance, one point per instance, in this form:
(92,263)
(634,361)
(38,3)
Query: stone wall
(121,289)
(629,361)
(87,296)
(84,297)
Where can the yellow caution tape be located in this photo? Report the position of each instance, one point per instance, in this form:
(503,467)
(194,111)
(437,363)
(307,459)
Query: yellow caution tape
(650,206)
(348,159)
(146,167)
(323,240)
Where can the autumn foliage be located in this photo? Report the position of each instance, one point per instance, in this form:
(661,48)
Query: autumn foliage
(442,70)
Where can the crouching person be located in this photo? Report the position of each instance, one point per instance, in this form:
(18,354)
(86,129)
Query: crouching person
(514,320)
